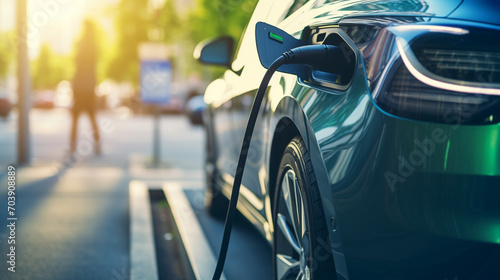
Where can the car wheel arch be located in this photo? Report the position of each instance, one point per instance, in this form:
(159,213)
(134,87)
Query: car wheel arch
(289,121)
(284,132)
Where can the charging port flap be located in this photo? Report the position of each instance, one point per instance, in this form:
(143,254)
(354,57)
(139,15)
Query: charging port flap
(272,42)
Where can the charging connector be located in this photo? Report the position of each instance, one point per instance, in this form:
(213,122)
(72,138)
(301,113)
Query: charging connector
(324,58)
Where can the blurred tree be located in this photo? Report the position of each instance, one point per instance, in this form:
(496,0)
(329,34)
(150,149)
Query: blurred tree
(170,22)
(132,24)
(7,53)
(214,18)
(136,22)
(48,69)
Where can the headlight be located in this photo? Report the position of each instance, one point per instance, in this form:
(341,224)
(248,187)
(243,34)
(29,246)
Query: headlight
(438,73)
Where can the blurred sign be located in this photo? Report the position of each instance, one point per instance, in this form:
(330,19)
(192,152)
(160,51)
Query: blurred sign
(156,73)
(156,81)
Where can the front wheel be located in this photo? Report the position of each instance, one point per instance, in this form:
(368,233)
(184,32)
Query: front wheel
(301,245)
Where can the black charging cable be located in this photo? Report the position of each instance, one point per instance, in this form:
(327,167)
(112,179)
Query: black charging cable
(318,57)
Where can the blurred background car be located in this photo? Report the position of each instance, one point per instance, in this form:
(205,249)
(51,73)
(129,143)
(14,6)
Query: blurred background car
(5,107)
(44,99)
(195,108)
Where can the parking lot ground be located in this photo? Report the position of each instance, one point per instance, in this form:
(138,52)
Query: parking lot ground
(70,225)
(179,217)
(249,255)
(74,216)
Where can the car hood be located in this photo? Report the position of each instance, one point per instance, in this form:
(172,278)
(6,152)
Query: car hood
(332,11)
(439,8)
(485,11)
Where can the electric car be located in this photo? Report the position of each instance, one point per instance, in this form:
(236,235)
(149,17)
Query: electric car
(387,168)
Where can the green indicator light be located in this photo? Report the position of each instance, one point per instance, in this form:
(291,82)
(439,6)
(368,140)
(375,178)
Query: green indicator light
(275,37)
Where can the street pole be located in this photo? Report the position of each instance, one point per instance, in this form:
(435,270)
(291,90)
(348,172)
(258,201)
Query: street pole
(155,82)
(156,136)
(23,88)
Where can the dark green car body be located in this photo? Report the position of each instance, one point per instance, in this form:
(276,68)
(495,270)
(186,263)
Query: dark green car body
(410,184)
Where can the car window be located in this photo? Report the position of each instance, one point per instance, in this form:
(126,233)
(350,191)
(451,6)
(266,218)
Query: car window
(246,49)
(247,58)
(272,12)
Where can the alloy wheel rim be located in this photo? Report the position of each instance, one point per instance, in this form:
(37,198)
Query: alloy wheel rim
(292,262)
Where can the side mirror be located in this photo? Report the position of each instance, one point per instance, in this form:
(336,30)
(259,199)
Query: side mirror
(215,52)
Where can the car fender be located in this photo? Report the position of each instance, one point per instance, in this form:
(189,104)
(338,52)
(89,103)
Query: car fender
(288,118)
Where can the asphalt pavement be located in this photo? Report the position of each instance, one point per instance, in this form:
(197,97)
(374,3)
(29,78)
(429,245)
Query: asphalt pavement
(71,224)
(73,212)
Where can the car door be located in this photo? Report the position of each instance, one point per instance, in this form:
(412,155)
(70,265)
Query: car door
(241,85)
(245,81)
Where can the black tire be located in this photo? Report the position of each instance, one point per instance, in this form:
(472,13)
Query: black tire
(216,203)
(298,211)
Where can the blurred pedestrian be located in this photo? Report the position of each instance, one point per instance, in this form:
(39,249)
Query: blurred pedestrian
(84,83)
